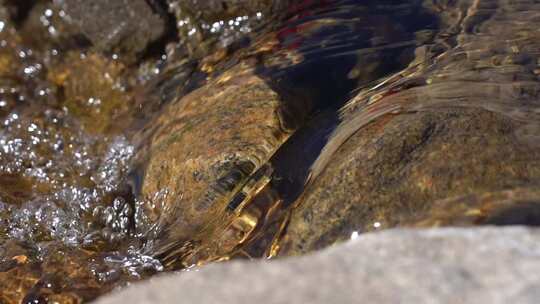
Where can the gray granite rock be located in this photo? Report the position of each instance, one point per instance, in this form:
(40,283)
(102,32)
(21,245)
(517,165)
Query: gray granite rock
(482,265)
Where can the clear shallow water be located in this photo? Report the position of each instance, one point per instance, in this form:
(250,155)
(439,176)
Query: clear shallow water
(66,227)
(70,228)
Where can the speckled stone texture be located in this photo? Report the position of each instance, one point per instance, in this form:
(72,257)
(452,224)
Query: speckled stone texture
(482,265)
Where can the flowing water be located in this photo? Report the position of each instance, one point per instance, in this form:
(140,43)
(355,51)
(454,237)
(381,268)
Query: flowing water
(75,123)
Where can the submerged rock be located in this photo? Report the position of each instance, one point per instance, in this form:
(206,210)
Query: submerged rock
(203,24)
(124,26)
(443,131)
(486,265)
(396,167)
(64,225)
(201,152)
(517,206)
(462,123)
(216,10)
(95,91)
(59,274)
(208,157)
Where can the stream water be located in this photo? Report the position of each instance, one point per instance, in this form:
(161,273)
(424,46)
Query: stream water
(72,225)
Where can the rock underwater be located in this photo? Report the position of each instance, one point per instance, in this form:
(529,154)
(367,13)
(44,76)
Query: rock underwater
(460,123)
(449,110)
(207,164)
(126,27)
(143,136)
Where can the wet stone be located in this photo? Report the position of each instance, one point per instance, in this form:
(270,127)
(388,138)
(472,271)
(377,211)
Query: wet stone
(5,12)
(113,169)
(64,274)
(94,90)
(123,26)
(216,10)
(196,171)
(42,27)
(453,128)
(204,25)
(513,206)
(190,178)
(397,167)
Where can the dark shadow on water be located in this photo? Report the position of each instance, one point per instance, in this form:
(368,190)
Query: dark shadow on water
(524,213)
(293,160)
(339,46)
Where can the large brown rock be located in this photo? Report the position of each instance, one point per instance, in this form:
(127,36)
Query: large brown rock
(203,147)
(462,123)
(395,168)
